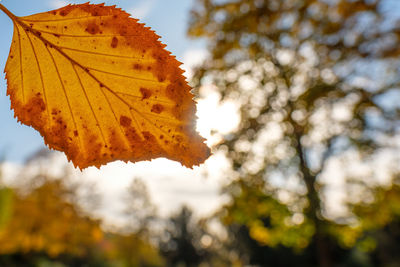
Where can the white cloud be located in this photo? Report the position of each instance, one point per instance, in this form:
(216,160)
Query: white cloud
(191,59)
(141,10)
(9,172)
(170,185)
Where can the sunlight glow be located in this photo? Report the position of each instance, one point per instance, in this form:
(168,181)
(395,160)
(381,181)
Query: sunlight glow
(215,118)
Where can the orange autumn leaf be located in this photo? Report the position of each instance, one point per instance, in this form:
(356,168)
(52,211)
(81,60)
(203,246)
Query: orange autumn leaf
(100,86)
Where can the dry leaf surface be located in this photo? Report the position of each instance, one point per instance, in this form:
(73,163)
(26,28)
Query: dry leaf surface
(100,86)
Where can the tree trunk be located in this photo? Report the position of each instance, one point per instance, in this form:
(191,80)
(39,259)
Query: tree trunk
(313,211)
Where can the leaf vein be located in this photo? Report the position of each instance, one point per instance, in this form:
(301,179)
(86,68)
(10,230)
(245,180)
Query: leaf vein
(97,53)
(148,99)
(89,103)
(149,121)
(137,124)
(63,87)
(40,74)
(20,64)
(111,107)
(87,36)
(65,19)
(122,75)
(162,117)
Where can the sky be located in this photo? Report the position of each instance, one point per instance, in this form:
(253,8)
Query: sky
(170,184)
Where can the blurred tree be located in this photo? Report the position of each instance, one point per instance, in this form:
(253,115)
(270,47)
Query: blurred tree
(181,240)
(140,210)
(6,195)
(131,251)
(43,221)
(379,225)
(315,80)
(181,244)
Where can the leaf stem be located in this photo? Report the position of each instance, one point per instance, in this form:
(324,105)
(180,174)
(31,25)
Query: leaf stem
(8,12)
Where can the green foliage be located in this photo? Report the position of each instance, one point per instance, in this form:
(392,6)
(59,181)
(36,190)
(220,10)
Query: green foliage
(6,196)
(131,251)
(269,221)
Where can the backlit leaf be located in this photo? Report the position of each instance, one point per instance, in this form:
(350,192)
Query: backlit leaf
(100,86)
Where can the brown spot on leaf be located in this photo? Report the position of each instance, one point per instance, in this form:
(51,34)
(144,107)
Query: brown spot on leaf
(123,30)
(161,78)
(92,28)
(148,136)
(59,138)
(114,42)
(116,143)
(35,106)
(94,148)
(162,65)
(66,10)
(132,136)
(179,138)
(157,108)
(146,93)
(94,10)
(125,121)
(32,112)
(137,66)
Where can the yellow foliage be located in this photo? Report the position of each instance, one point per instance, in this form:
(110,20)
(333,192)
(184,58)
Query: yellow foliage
(43,221)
